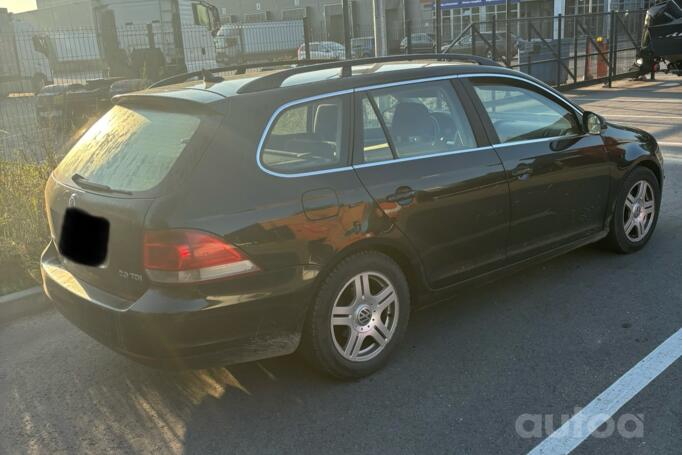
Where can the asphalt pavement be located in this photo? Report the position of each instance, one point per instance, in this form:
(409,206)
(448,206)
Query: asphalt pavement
(494,370)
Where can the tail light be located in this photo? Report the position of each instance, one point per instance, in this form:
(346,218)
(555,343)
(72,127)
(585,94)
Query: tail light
(187,256)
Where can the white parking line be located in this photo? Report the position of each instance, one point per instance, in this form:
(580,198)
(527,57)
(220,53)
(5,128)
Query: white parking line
(602,408)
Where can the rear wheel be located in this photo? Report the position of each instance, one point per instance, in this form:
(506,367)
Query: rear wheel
(636,212)
(358,317)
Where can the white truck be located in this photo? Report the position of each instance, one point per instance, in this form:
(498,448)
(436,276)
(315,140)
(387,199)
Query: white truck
(258,41)
(177,34)
(23,67)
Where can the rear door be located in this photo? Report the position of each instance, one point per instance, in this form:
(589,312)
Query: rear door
(116,170)
(558,174)
(431,172)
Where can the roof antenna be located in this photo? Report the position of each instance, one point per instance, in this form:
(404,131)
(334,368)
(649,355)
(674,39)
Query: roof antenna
(209,77)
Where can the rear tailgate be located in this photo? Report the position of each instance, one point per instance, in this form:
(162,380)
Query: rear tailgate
(117,169)
(122,272)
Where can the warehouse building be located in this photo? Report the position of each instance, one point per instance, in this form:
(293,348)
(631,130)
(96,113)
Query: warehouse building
(326,16)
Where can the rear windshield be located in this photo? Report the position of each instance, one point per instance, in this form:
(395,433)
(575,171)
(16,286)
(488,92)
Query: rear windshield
(130,149)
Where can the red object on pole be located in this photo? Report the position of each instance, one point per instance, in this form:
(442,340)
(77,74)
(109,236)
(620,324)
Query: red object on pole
(602,65)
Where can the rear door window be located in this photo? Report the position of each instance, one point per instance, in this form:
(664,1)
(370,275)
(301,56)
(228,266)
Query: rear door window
(308,137)
(421,119)
(130,149)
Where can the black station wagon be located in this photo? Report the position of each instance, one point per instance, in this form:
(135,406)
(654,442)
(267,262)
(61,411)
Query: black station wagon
(220,220)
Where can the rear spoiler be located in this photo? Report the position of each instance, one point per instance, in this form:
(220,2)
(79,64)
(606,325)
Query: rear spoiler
(186,99)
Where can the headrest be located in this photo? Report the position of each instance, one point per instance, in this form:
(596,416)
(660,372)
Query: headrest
(410,120)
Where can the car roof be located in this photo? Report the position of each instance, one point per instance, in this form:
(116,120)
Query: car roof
(319,79)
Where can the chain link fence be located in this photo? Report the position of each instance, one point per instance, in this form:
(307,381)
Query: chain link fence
(53,82)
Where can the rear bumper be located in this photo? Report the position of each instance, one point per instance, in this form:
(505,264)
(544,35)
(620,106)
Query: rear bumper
(173,327)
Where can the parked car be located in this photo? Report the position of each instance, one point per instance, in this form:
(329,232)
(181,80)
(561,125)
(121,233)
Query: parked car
(185,233)
(68,106)
(483,48)
(421,43)
(323,50)
(362,47)
(51,103)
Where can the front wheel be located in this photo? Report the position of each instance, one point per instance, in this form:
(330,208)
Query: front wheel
(358,317)
(636,212)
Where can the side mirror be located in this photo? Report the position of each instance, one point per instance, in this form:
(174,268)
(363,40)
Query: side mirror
(594,124)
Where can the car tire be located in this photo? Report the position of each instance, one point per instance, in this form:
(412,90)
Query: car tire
(359,315)
(633,223)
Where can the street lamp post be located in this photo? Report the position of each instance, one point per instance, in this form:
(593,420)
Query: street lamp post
(439,38)
(380,44)
(346,27)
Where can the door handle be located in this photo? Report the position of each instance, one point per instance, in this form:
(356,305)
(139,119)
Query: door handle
(522,171)
(402,195)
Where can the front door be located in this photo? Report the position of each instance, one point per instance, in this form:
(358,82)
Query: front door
(558,175)
(431,173)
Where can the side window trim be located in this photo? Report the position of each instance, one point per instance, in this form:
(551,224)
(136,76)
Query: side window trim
(422,157)
(352,139)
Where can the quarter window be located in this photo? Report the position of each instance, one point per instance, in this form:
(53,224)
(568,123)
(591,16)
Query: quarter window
(519,114)
(307,137)
(421,119)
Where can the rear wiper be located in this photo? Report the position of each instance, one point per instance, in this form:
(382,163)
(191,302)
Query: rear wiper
(86,184)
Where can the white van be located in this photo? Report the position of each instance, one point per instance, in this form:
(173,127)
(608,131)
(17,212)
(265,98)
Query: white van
(258,41)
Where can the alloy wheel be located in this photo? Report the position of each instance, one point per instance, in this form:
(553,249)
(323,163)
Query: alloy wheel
(640,208)
(364,316)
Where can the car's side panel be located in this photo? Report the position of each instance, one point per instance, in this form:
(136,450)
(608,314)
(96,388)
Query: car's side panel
(563,199)
(627,148)
(559,186)
(458,217)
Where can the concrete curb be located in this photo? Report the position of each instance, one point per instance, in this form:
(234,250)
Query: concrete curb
(23,303)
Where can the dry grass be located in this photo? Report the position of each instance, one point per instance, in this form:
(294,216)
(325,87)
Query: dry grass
(23,225)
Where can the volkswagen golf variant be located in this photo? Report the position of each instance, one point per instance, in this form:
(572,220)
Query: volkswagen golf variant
(219,220)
